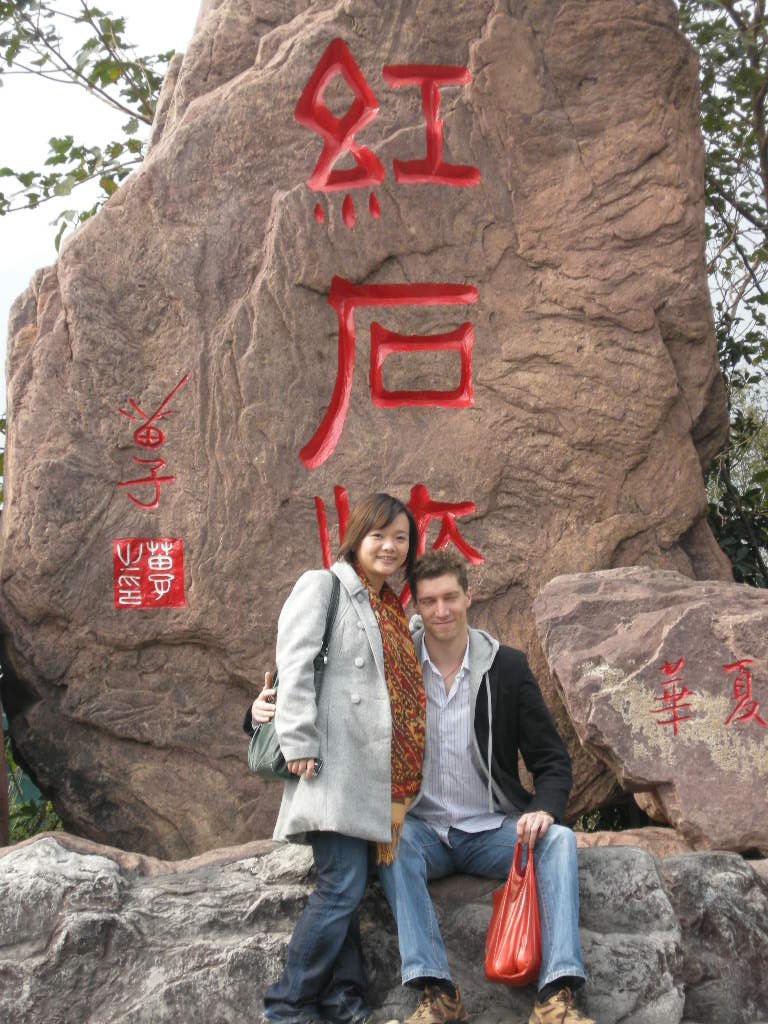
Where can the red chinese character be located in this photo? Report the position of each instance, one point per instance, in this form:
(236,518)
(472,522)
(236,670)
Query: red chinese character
(384,342)
(148,572)
(746,706)
(146,435)
(153,480)
(432,168)
(342,515)
(672,698)
(424,510)
(339,133)
(345,297)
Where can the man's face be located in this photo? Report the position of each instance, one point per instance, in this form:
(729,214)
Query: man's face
(443,605)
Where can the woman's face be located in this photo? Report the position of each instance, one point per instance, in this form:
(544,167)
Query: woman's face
(384,550)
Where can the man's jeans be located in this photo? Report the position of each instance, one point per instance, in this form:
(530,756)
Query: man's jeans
(324,975)
(422,856)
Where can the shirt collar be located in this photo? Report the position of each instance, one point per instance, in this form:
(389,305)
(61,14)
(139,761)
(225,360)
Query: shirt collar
(425,658)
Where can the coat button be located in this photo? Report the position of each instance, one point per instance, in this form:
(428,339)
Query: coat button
(359,662)
(360,625)
(361,597)
(355,698)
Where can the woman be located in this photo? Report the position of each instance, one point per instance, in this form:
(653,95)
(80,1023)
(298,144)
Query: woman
(366,730)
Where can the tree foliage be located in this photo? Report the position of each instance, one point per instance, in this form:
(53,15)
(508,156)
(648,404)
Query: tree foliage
(76,44)
(731,37)
(27,815)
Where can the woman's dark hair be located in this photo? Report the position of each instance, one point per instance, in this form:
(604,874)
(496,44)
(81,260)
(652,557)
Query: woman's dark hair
(372,513)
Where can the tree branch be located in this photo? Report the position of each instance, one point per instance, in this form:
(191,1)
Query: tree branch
(742,209)
(38,39)
(100,172)
(745,261)
(712,263)
(735,16)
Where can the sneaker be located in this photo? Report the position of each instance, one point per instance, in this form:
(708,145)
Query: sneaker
(558,1009)
(437,1007)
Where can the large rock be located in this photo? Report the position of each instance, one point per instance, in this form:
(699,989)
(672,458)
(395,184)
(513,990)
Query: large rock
(659,842)
(90,933)
(666,679)
(722,907)
(597,394)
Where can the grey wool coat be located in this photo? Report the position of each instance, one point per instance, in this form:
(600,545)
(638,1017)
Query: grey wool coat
(349,728)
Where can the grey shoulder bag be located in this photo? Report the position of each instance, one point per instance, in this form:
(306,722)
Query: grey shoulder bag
(265,758)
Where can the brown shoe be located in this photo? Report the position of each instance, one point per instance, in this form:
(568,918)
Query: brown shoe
(558,1009)
(437,1007)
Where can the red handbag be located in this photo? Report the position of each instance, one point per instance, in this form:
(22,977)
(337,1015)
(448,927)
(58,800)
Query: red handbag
(513,945)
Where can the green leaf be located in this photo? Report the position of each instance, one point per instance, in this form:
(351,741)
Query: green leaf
(59,234)
(65,186)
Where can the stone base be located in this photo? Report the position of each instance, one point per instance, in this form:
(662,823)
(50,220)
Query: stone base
(91,933)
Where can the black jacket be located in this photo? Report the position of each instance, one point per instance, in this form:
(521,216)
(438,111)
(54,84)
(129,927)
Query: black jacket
(522,722)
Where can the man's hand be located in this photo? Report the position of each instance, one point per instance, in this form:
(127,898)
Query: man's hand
(263,708)
(532,826)
(305,766)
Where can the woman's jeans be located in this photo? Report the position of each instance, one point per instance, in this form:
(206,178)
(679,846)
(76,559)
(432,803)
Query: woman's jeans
(324,975)
(422,856)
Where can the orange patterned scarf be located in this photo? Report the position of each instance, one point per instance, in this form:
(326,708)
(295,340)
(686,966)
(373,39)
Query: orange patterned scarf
(408,705)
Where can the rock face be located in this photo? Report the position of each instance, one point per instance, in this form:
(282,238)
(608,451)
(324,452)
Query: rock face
(723,912)
(90,933)
(592,386)
(659,842)
(666,679)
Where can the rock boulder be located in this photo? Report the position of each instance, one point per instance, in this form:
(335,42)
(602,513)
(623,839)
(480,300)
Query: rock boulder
(89,932)
(571,420)
(722,906)
(666,679)
(659,842)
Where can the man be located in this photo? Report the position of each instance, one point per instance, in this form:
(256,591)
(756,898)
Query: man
(471,808)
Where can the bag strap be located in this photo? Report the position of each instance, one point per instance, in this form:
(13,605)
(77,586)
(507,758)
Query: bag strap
(321,659)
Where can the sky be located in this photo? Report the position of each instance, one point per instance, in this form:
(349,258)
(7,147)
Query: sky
(33,110)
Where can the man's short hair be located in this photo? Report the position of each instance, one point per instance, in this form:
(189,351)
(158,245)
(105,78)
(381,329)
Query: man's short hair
(436,563)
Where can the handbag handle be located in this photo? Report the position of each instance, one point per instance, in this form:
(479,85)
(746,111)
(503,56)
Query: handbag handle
(321,658)
(517,859)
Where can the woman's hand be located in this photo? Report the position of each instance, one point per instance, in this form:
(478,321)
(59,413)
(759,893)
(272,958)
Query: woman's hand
(263,708)
(305,766)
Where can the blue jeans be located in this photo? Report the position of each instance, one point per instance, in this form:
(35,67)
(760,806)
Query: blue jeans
(324,975)
(422,856)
